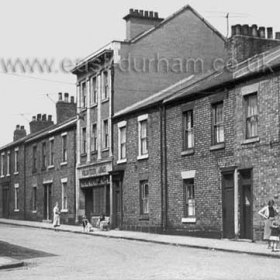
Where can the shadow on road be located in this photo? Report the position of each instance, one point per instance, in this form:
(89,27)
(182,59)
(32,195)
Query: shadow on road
(20,253)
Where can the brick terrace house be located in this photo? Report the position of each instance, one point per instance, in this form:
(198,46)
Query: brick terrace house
(156,54)
(39,169)
(212,150)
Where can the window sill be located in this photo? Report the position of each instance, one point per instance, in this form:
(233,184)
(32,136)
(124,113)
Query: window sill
(64,211)
(142,157)
(187,152)
(16,210)
(51,167)
(217,147)
(83,109)
(189,220)
(105,100)
(250,140)
(63,163)
(34,211)
(16,173)
(120,161)
(8,175)
(105,150)
(144,217)
(2,176)
(93,153)
(83,154)
(93,105)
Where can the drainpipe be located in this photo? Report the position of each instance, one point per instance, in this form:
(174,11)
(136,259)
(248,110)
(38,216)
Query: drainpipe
(161,169)
(165,169)
(75,166)
(24,181)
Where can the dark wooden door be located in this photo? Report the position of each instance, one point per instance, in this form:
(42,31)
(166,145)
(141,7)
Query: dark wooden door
(117,204)
(88,203)
(47,202)
(246,204)
(228,205)
(6,202)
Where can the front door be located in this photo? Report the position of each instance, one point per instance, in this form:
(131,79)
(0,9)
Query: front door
(117,204)
(47,202)
(228,205)
(246,204)
(88,203)
(6,202)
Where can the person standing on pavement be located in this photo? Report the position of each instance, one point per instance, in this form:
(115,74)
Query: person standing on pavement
(56,216)
(268,212)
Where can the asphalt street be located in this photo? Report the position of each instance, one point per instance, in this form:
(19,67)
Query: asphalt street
(76,256)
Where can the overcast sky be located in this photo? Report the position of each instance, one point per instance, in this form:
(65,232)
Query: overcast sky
(73,29)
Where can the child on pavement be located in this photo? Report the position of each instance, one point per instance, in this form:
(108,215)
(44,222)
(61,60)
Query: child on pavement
(274,236)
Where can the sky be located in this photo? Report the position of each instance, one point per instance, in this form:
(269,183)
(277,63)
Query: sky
(62,32)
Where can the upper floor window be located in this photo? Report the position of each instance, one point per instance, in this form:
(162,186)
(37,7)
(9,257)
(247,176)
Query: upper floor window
(142,136)
(188,130)
(189,198)
(64,147)
(2,164)
(44,155)
(84,95)
(105,134)
(34,198)
(8,163)
(94,138)
(251,113)
(94,90)
(84,141)
(218,123)
(122,141)
(16,198)
(34,158)
(144,197)
(105,85)
(51,151)
(16,160)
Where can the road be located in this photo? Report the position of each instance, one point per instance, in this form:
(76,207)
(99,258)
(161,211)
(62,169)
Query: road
(79,257)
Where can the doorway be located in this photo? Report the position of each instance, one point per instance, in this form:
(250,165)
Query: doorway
(6,202)
(246,228)
(228,204)
(117,213)
(88,203)
(48,202)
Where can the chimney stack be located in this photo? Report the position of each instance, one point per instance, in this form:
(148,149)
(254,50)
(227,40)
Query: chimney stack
(269,32)
(139,21)
(65,110)
(19,132)
(262,32)
(40,123)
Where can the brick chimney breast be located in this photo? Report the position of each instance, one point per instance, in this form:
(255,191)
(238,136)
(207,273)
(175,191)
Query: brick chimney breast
(139,21)
(19,132)
(65,110)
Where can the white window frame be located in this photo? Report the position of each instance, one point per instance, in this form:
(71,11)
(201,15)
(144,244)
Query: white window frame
(16,197)
(16,156)
(94,90)
(141,119)
(104,86)
(84,95)
(8,161)
(51,153)
(64,158)
(64,182)
(2,165)
(121,125)
(188,175)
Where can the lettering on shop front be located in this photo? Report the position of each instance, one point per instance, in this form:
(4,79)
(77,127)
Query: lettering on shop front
(94,171)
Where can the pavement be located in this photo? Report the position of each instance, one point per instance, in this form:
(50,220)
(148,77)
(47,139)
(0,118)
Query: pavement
(226,245)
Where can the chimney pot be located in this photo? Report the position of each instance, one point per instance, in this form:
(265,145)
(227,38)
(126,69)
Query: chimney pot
(146,13)
(49,118)
(151,14)
(34,118)
(233,30)
(254,30)
(17,127)
(237,29)
(277,35)
(44,117)
(245,30)
(39,117)
(269,33)
(141,12)
(136,12)
(60,96)
(131,11)
(22,127)
(156,14)
(262,32)
(72,99)
(66,97)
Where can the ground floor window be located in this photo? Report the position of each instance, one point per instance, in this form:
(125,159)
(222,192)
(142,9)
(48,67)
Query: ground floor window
(16,197)
(34,199)
(101,200)
(144,197)
(189,198)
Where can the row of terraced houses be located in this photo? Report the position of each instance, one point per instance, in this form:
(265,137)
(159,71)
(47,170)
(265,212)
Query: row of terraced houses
(174,130)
